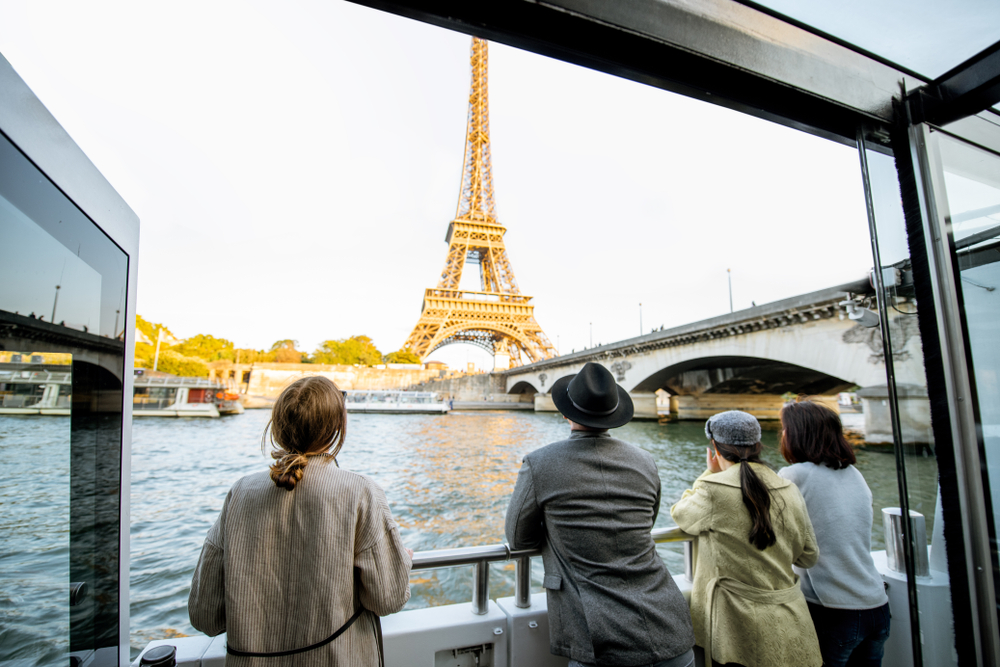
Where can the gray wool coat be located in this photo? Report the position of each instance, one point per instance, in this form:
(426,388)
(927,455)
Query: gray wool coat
(589,502)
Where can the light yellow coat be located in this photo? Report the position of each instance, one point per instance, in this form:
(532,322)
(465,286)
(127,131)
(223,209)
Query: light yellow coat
(746,604)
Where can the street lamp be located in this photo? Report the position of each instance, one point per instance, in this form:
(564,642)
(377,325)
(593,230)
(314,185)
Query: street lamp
(729,274)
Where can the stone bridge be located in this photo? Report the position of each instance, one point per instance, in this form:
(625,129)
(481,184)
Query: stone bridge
(745,360)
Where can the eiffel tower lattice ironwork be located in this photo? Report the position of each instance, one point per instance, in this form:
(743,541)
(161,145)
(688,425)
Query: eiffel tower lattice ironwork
(498,317)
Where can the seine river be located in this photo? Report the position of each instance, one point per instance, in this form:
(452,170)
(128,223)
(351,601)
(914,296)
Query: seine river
(447,478)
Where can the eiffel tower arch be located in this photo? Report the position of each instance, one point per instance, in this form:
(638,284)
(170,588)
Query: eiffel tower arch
(497,317)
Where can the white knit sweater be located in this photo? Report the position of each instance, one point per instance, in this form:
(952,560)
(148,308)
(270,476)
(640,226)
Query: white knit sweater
(840,508)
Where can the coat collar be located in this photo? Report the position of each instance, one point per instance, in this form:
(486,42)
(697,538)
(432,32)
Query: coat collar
(581,435)
(731,477)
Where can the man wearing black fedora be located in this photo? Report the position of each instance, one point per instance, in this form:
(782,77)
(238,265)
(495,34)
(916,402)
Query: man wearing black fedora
(589,502)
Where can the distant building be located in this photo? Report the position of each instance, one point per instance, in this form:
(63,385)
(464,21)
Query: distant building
(435,365)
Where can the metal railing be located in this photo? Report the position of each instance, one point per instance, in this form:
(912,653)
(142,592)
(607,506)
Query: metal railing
(146,381)
(36,377)
(481,557)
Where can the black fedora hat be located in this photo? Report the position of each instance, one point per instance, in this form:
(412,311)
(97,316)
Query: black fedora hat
(592,398)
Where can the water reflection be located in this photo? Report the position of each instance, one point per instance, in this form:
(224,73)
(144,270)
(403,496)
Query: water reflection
(34,522)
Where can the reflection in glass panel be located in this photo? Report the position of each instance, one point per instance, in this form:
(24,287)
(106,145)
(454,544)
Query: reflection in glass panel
(62,305)
(972,184)
(56,266)
(35,462)
(913,437)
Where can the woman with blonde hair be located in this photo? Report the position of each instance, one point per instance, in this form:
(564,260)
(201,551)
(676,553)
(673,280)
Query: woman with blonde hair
(751,527)
(304,558)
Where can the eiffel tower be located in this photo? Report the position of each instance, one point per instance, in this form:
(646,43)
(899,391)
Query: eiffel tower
(497,318)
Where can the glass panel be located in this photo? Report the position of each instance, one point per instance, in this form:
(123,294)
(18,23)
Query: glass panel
(35,557)
(972,191)
(906,395)
(62,305)
(923,36)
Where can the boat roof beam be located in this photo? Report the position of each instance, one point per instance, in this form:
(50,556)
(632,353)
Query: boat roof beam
(716,50)
(970,88)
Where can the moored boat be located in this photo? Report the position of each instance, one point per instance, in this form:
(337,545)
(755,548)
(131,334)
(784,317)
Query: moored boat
(396,402)
(38,390)
(163,395)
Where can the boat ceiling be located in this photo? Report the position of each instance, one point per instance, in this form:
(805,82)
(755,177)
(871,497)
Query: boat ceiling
(927,38)
(826,66)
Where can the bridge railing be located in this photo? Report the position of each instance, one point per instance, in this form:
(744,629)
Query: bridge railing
(481,557)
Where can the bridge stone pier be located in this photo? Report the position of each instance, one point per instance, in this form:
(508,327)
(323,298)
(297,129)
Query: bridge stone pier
(745,360)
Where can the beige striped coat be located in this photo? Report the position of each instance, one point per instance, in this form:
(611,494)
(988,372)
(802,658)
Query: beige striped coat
(284,569)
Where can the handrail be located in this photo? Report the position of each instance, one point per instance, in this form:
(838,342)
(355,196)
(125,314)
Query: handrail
(36,377)
(147,381)
(482,556)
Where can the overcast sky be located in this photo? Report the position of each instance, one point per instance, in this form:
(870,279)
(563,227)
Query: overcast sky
(295,165)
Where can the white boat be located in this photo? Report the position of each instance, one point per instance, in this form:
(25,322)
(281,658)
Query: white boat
(172,396)
(396,402)
(35,391)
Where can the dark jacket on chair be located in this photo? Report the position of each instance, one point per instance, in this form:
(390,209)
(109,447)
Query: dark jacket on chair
(589,502)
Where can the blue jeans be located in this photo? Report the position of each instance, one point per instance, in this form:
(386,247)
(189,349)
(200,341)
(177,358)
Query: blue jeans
(682,660)
(851,637)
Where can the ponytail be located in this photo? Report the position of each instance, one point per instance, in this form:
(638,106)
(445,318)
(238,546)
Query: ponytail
(756,496)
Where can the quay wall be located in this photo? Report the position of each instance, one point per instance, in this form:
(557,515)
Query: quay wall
(268,379)
(476,387)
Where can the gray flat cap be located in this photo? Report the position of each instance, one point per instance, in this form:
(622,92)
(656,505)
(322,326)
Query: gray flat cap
(733,428)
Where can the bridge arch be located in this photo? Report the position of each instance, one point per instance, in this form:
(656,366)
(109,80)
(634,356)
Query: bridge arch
(741,375)
(523,387)
(452,336)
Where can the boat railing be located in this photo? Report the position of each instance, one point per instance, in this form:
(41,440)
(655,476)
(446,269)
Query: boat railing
(481,557)
(145,381)
(36,377)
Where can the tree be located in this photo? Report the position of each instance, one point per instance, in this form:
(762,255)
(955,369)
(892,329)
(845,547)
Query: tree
(285,352)
(189,356)
(287,355)
(207,347)
(176,364)
(402,356)
(356,350)
(151,329)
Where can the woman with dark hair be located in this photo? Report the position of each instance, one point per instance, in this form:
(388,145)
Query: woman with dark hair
(845,593)
(304,558)
(751,527)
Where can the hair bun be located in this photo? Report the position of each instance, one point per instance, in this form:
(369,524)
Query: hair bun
(288,467)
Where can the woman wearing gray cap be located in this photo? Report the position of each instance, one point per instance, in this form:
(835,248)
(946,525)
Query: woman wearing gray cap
(752,526)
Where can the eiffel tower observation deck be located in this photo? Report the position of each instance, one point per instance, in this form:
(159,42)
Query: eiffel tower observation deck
(497,317)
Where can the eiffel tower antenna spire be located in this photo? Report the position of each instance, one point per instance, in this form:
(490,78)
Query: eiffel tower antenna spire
(475,200)
(498,317)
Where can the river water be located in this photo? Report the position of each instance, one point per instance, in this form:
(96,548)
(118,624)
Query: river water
(447,479)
